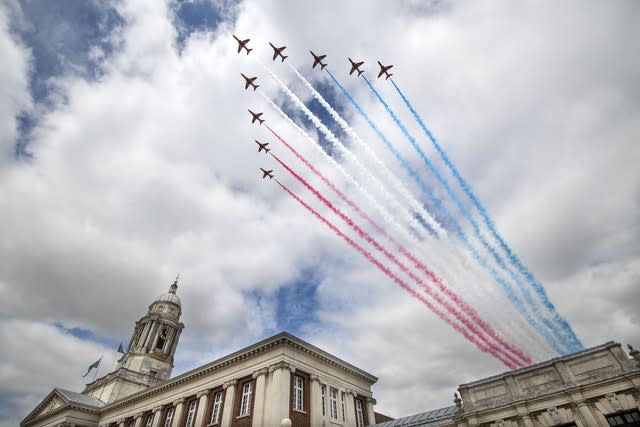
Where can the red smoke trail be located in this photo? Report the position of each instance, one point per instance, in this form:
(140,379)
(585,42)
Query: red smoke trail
(481,345)
(496,352)
(416,262)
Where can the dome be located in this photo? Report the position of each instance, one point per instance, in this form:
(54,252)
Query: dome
(171,295)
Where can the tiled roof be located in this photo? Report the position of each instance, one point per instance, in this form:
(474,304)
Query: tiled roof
(426,419)
(83,399)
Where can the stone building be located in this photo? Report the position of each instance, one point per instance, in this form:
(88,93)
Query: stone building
(279,377)
(597,387)
(284,377)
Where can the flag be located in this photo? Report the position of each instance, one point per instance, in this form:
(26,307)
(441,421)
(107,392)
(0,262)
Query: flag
(120,349)
(123,358)
(93,365)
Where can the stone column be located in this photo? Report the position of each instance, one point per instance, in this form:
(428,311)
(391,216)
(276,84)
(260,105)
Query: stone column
(259,397)
(157,416)
(350,408)
(203,395)
(587,416)
(177,414)
(370,413)
(229,397)
(523,413)
(315,400)
(280,374)
(120,422)
(138,419)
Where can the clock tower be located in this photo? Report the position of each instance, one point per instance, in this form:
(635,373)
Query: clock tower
(148,360)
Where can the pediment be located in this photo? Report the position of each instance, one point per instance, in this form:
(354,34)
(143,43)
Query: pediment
(53,401)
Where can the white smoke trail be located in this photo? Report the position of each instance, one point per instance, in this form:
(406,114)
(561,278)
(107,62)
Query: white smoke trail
(390,176)
(372,200)
(332,138)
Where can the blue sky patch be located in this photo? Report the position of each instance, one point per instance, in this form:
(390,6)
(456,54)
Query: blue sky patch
(65,37)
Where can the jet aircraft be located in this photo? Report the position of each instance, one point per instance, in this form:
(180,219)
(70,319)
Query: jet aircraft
(242,44)
(249,81)
(385,70)
(355,66)
(317,59)
(277,51)
(256,116)
(267,173)
(262,147)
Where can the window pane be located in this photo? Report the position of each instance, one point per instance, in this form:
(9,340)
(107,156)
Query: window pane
(217,408)
(245,405)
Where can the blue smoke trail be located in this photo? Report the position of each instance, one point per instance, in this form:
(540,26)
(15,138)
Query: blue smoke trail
(428,191)
(575,343)
(525,291)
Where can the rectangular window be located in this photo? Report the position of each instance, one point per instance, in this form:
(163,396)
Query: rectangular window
(245,404)
(217,408)
(298,393)
(324,400)
(626,419)
(333,402)
(344,415)
(149,421)
(359,414)
(169,418)
(191,414)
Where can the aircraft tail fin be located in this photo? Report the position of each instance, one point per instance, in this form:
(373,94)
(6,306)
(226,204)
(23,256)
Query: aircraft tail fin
(284,57)
(249,50)
(322,66)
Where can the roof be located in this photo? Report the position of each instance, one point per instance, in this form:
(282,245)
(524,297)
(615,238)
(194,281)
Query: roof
(283,338)
(427,419)
(82,399)
(60,400)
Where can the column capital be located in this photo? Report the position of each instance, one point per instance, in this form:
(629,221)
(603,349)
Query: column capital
(119,421)
(314,377)
(178,401)
(204,392)
(228,384)
(259,372)
(352,392)
(372,401)
(137,415)
(281,365)
(156,409)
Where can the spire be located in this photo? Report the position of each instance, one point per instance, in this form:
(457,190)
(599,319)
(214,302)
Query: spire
(174,286)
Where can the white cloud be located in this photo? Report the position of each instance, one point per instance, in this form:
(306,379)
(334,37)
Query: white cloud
(152,170)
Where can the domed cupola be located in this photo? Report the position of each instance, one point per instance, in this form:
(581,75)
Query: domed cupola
(171,295)
(155,336)
(148,360)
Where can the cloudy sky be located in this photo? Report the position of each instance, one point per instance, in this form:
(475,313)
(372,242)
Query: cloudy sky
(127,157)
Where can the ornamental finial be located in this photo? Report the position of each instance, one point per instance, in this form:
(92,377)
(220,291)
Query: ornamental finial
(174,286)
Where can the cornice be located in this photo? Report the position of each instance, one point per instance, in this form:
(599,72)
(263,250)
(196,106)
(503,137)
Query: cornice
(281,339)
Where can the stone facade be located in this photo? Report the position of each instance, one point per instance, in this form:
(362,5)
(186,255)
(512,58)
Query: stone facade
(580,389)
(270,367)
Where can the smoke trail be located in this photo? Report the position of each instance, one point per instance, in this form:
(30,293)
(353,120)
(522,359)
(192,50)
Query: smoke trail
(538,288)
(481,345)
(331,137)
(405,164)
(381,166)
(441,286)
(377,206)
(525,292)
